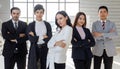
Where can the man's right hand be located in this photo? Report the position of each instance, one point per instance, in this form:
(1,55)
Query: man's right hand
(31,33)
(14,40)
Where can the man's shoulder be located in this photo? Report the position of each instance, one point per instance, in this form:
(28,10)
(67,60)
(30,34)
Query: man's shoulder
(22,21)
(109,21)
(97,21)
(7,22)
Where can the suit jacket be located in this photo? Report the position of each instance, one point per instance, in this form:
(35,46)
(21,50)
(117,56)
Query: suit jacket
(81,48)
(9,33)
(32,63)
(105,41)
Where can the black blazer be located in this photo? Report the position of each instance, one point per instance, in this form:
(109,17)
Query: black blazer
(81,48)
(32,63)
(34,39)
(9,33)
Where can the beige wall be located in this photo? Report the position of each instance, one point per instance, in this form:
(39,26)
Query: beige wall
(4,10)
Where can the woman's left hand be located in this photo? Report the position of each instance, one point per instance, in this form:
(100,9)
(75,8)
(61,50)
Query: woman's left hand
(60,43)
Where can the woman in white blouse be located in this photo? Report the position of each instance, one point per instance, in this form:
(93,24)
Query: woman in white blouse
(60,42)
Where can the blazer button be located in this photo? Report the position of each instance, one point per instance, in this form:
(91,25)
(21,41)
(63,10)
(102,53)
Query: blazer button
(80,46)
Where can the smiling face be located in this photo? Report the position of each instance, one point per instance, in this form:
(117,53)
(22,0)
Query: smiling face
(39,14)
(81,20)
(15,14)
(61,20)
(103,13)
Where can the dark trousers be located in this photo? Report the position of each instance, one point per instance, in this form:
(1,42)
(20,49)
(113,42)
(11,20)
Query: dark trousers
(82,64)
(108,61)
(42,57)
(10,62)
(59,66)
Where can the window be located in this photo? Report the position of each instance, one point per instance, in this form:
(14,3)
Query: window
(51,8)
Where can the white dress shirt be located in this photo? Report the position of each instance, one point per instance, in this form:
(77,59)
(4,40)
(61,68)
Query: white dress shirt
(40,30)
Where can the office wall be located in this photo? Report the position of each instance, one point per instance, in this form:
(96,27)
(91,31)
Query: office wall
(4,10)
(90,7)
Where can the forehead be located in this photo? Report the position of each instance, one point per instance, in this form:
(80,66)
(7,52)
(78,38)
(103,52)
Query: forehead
(39,10)
(15,11)
(59,15)
(81,15)
(102,9)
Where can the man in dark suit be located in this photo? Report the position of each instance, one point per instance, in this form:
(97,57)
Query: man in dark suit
(14,33)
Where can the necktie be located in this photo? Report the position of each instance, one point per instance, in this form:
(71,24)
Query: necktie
(16,26)
(103,25)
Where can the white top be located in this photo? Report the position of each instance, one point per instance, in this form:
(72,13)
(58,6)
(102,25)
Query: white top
(40,30)
(57,54)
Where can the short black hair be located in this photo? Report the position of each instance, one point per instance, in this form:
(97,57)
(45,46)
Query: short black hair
(14,8)
(103,7)
(38,7)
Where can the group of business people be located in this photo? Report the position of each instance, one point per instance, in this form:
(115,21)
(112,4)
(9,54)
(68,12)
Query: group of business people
(49,52)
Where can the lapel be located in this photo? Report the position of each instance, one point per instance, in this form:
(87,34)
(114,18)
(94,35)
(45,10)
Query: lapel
(46,26)
(100,25)
(33,27)
(11,26)
(19,26)
(106,24)
(78,35)
(84,29)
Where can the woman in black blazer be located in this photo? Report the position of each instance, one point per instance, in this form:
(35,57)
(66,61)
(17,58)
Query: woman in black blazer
(82,41)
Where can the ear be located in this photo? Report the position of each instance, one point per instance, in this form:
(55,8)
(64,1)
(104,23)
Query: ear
(66,18)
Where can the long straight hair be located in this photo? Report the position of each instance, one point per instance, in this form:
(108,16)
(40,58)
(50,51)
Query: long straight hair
(77,17)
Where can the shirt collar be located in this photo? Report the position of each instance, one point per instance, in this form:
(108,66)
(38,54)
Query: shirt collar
(78,26)
(38,21)
(102,21)
(14,21)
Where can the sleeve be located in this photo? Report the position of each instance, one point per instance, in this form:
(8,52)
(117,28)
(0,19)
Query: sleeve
(24,31)
(67,37)
(75,42)
(51,42)
(49,33)
(111,35)
(90,41)
(5,33)
(33,39)
(94,29)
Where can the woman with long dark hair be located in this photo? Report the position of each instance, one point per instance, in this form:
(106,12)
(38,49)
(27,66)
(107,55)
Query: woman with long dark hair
(82,41)
(59,43)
